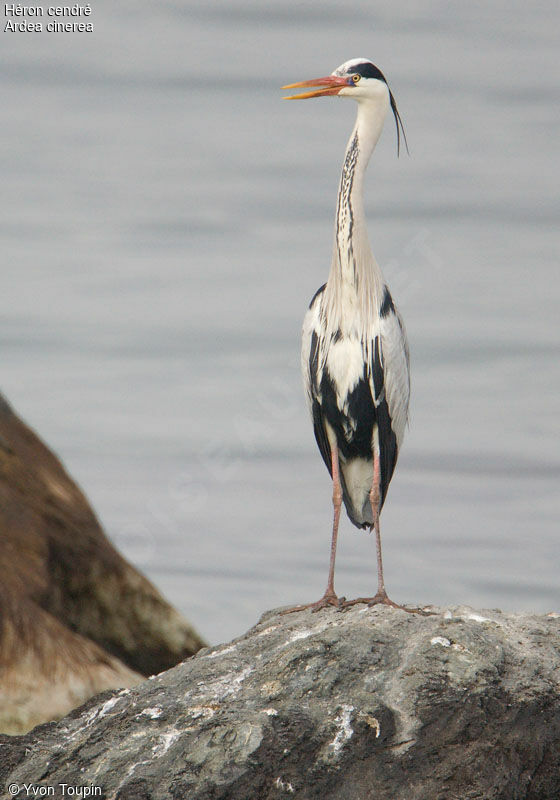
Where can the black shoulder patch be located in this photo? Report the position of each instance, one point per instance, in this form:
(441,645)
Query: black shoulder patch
(368,70)
(321,436)
(388,450)
(317,293)
(387,306)
(314,361)
(377,370)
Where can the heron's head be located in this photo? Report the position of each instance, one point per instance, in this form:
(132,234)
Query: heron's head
(358,78)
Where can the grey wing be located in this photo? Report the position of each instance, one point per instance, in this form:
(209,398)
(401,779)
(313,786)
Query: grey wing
(396,369)
(390,389)
(386,438)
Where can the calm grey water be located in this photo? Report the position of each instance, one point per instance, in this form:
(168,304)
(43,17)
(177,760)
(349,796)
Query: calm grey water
(166,219)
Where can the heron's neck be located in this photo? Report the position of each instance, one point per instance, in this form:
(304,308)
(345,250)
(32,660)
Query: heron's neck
(354,270)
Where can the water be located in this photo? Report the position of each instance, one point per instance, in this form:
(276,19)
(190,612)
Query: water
(166,220)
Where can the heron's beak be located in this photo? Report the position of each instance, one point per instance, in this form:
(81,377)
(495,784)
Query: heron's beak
(329,85)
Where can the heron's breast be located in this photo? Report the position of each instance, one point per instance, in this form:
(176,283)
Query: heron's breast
(345,366)
(346,398)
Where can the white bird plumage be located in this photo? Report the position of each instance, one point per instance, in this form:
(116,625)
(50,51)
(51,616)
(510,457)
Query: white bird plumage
(355,359)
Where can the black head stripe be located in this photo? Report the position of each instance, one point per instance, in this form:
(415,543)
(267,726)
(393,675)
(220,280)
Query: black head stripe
(368,70)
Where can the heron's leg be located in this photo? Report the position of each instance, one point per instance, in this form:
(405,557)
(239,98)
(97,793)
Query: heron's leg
(329,598)
(337,503)
(381,596)
(375,501)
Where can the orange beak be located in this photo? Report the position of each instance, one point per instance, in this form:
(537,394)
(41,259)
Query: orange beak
(329,85)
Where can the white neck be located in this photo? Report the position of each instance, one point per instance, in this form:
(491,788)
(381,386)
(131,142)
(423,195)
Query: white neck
(355,276)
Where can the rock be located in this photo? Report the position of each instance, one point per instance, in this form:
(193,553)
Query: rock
(364,703)
(75,617)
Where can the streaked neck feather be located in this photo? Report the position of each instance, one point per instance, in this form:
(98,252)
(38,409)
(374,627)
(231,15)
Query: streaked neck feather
(354,290)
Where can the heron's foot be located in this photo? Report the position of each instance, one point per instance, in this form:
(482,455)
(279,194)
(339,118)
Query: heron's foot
(381,598)
(328,599)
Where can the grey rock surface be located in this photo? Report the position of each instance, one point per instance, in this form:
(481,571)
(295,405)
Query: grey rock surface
(364,703)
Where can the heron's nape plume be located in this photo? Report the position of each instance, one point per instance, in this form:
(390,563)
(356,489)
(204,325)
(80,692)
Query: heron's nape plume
(399,124)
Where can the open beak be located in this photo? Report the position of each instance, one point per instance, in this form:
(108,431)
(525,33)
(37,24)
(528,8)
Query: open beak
(328,85)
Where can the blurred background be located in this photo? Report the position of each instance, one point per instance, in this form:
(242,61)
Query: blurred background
(166,219)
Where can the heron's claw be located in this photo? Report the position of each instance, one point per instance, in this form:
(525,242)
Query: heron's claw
(381,598)
(328,599)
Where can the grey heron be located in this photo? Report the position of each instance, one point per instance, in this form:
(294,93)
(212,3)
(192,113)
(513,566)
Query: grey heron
(355,359)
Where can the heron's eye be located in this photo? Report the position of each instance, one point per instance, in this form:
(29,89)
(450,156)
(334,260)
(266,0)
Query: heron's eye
(356,78)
